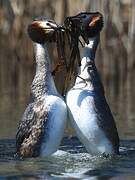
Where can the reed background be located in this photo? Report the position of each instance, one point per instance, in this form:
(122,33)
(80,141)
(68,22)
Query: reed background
(115,57)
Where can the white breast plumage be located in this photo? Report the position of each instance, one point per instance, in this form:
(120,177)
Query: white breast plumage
(88,110)
(42,127)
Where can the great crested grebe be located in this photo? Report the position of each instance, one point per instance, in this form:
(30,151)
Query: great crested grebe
(89,112)
(42,126)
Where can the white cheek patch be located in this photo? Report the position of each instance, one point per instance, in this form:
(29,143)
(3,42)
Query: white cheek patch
(47,24)
(44,24)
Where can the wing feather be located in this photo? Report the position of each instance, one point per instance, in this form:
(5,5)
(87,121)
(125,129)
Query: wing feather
(31,130)
(106,121)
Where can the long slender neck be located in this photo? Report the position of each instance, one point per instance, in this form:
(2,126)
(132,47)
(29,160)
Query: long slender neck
(42,57)
(88,73)
(89,52)
(43,82)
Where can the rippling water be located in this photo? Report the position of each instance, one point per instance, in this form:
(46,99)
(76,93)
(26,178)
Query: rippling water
(71,161)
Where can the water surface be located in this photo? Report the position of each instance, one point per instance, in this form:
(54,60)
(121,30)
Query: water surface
(70,162)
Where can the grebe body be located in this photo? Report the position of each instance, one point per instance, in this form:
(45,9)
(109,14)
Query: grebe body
(88,110)
(42,126)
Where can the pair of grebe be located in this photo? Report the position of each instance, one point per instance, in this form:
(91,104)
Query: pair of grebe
(42,127)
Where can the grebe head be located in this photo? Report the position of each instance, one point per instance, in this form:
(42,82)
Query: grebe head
(86,24)
(43,30)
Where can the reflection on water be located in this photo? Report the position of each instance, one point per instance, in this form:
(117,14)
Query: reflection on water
(70,162)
